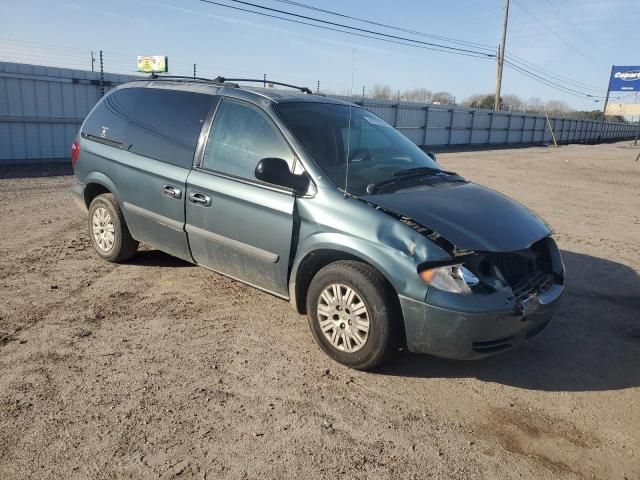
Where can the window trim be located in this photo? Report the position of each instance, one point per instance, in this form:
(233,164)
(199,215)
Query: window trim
(199,164)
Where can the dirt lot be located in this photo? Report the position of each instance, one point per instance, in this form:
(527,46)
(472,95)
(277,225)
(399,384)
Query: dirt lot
(161,369)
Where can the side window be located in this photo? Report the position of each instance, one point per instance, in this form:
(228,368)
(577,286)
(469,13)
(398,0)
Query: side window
(166,124)
(108,120)
(241,136)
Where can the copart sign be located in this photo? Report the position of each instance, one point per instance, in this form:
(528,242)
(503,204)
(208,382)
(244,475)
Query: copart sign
(625,79)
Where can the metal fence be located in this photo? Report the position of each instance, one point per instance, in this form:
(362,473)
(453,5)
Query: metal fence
(444,125)
(41,109)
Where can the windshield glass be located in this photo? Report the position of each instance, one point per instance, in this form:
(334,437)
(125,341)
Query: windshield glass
(376,150)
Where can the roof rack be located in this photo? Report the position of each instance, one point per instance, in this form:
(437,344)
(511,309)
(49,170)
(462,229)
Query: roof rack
(263,81)
(153,76)
(227,82)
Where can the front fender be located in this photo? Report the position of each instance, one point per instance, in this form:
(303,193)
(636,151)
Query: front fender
(397,266)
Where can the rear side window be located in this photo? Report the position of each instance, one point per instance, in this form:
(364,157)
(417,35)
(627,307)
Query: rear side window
(109,119)
(241,136)
(166,124)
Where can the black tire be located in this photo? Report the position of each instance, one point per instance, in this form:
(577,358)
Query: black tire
(124,246)
(381,303)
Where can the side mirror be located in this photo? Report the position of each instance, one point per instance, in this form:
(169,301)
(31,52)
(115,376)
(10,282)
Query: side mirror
(432,155)
(276,171)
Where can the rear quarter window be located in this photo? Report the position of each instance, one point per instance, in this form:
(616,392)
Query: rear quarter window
(108,121)
(157,123)
(166,124)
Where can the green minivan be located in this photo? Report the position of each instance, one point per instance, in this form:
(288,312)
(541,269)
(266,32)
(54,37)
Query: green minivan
(322,203)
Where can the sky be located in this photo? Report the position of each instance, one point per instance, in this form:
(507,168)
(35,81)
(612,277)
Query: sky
(578,39)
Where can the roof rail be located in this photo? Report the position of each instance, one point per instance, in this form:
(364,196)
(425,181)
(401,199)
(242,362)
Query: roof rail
(227,82)
(153,76)
(262,80)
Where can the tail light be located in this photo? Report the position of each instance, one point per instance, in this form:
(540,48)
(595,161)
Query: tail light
(75,152)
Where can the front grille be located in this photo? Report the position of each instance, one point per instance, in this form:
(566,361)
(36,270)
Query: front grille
(532,286)
(492,346)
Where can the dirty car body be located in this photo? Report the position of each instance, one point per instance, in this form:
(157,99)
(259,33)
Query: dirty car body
(471,271)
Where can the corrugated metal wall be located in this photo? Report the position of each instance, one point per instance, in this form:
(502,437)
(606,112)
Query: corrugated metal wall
(41,109)
(443,125)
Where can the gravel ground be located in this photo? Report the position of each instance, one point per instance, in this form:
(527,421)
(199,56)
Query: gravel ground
(160,369)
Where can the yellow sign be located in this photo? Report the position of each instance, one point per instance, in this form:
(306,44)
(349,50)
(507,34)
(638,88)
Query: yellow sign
(153,64)
(623,109)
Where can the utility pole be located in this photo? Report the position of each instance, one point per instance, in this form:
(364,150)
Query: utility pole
(606,102)
(93,61)
(501,49)
(194,70)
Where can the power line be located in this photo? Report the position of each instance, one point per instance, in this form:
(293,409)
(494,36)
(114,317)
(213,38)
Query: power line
(387,37)
(567,22)
(385,25)
(553,32)
(557,86)
(513,57)
(557,76)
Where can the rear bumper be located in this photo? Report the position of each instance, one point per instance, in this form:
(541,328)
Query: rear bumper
(77,192)
(451,333)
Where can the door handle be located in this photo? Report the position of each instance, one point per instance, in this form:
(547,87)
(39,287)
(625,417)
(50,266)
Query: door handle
(200,199)
(171,191)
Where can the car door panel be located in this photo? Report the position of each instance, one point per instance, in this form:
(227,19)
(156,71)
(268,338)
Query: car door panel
(235,224)
(245,232)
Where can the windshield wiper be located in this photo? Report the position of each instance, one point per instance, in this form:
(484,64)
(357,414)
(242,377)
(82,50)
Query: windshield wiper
(403,175)
(417,171)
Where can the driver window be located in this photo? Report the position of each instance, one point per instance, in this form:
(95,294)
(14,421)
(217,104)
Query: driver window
(241,136)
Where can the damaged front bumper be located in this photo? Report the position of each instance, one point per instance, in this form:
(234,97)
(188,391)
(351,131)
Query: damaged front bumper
(476,326)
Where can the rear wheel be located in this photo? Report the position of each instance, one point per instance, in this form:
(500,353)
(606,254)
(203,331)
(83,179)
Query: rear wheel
(108,230)
(350,308)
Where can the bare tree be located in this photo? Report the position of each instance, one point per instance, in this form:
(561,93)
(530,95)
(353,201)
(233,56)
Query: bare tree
(443,98)
(558,107)
(535,105)
(382,92)
(474,101)
(513,103)
(417,95)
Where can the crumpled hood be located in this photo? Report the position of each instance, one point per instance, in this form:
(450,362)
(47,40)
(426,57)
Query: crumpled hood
(470,216)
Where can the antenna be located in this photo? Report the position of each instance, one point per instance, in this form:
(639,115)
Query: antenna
(346,170)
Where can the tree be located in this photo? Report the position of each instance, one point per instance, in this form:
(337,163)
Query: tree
(474,100)
(443,98)
(480,101)
(558,107)
(512,103)
(382,92)
(417,95)
(535,105)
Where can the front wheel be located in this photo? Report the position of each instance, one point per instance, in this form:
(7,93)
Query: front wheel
(350,308)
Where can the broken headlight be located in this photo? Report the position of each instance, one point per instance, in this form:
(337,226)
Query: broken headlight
(451,278)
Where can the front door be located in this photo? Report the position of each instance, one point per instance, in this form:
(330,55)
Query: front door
(236,224)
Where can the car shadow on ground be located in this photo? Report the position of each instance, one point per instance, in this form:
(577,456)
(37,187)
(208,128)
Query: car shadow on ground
(592,344)
(157,258)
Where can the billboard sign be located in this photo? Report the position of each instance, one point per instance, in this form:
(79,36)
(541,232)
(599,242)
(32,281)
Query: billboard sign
(153,64)
(625,79)
(623,109)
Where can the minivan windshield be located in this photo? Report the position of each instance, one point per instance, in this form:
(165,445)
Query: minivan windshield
(335,134)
